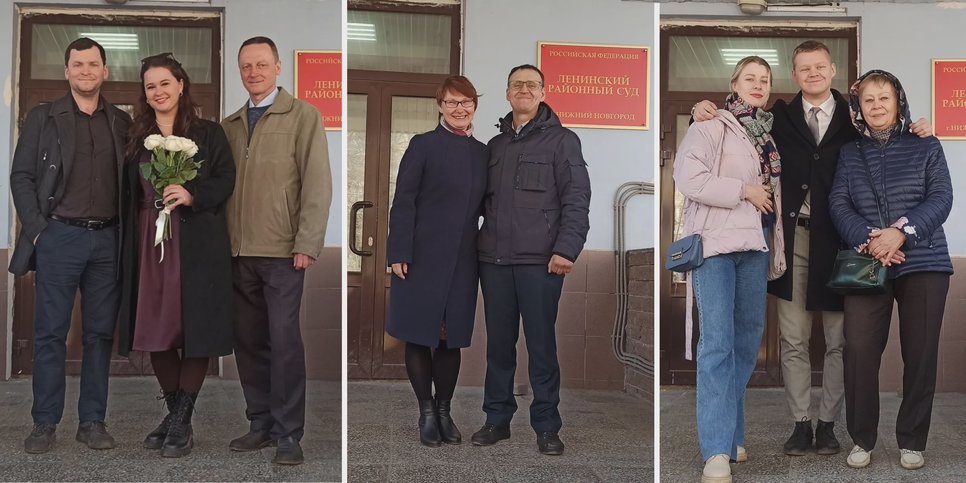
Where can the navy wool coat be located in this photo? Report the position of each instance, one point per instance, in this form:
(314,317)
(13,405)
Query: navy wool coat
(433,227)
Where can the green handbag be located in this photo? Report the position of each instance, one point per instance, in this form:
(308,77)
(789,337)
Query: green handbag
(855,273)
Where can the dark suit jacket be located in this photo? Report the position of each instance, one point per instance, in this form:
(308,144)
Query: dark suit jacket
(41,164)
(807,166)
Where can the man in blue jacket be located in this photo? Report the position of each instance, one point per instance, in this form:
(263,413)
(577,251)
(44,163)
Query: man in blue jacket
(535,224)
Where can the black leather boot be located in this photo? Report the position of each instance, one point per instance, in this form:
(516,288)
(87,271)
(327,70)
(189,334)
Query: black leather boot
(179,440)
(448,431)
(428,423)
(155,438)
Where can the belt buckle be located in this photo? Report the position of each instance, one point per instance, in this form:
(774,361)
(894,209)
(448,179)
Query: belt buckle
(93,225)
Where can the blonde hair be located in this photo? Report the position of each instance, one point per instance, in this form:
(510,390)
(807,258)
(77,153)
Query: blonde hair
(877,79)
(751,59)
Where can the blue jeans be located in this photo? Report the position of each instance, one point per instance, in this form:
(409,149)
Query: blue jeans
(68,258)
(730,291)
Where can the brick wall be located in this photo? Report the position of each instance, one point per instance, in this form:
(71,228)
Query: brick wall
(640,323)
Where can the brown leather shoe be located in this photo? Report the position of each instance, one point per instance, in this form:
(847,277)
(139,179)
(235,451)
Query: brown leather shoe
(41,438)
(94,434)
(254,440)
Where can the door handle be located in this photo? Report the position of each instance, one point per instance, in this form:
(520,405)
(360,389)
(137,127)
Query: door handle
(358,205)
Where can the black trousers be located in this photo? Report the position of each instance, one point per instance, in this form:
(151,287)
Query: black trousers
(268,343)
(509,292)
(921,298)
(68,258)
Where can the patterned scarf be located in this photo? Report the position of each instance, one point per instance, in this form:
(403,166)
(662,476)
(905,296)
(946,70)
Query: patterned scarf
(757,123)
(903,119)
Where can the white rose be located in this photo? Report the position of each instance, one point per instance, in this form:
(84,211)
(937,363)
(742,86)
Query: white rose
(153,141)
(171,143)
(192,150)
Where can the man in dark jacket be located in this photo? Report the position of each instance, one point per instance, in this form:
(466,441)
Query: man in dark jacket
(809,133)
(535,224)
(65,182)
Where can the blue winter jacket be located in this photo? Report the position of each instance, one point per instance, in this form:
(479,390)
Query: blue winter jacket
(912,180)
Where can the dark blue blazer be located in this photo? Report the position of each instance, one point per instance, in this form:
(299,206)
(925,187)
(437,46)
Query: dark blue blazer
(433,226)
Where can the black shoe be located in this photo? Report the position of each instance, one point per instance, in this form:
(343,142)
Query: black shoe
(825,442)
(289,452)
(549,443)
(490,434)
(155,438)
(800,440)
(41,438)
(94,434)
(253,440)
(180,438)
(448,431)
(428,424)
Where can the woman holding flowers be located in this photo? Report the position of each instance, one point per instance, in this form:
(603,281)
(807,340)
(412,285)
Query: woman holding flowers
(177,292)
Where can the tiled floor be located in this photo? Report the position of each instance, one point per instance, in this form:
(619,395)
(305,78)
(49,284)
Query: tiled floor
(608,437)
(133,411)
(768,426)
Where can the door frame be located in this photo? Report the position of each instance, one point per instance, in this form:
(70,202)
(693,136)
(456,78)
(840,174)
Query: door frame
(22,307)
(674,369)
(365,352)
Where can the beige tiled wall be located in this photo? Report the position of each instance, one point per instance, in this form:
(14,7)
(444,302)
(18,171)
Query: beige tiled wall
(3,310)
(321,319)
(951,370)
(585,321)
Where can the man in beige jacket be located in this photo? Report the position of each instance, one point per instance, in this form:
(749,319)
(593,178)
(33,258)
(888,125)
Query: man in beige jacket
(276,219)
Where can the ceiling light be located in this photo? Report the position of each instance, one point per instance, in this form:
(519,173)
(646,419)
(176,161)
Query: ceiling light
(114,41)
(732,56)
(360,31)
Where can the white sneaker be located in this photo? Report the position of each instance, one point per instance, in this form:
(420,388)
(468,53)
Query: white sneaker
(911,460)
(859,458)
(741,455)
(717,470)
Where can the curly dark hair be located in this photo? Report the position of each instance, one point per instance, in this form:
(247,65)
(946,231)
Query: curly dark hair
(144,116)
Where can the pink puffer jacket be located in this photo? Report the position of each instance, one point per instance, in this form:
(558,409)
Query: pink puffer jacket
(715,191)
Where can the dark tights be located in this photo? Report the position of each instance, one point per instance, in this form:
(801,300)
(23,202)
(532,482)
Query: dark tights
(174,372)
(426,366)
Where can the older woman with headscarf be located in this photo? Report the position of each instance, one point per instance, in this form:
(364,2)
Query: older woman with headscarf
(905,178)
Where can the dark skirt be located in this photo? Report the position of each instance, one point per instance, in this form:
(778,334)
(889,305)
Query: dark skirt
(158,325)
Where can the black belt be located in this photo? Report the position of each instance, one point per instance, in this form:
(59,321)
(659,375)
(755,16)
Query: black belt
(86,223)
(804,222)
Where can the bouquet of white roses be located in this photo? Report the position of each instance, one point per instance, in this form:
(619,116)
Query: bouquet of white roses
(172,162)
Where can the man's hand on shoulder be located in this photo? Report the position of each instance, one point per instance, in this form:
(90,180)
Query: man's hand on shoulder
(704,110)
(921,128)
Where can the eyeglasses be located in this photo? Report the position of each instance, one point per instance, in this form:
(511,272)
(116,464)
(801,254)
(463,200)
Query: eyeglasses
(531,85)
(166,55)
(466,103)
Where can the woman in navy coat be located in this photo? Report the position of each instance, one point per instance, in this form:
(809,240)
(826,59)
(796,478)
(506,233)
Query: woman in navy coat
(905,178)
(433,227)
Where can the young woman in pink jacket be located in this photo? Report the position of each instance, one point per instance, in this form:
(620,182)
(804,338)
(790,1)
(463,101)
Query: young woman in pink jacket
(728,170)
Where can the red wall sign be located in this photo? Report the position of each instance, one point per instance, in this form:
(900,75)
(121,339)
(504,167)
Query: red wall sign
(949,98)
(318,81)
(600,86)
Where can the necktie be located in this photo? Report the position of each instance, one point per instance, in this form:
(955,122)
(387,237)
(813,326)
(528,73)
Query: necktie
(813,123)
